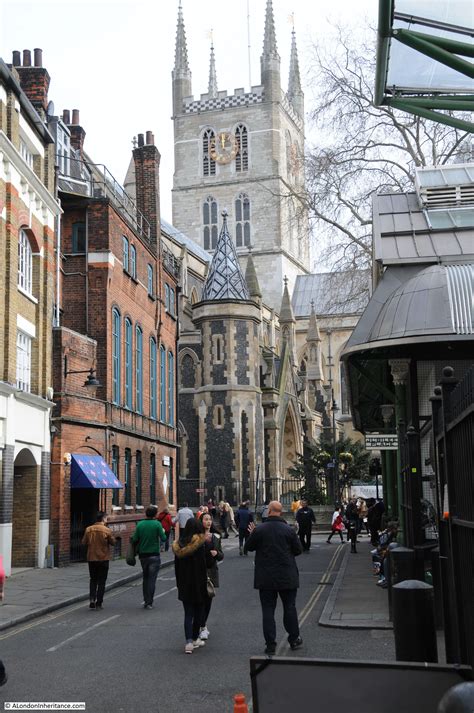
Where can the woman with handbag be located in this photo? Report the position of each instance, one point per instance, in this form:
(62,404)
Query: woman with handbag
(190,565)
(214,549)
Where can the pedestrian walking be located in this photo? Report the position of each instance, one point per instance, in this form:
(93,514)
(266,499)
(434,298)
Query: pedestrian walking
(337,524)
(181,518)
(295,505)
(231,521)
(190,565)
(98,539)
(276,545)
(305,518)
(243,518)
(147,538)
(214,549)
(224,519)
(211,506)
(352,520)
(374,519)
(167,524)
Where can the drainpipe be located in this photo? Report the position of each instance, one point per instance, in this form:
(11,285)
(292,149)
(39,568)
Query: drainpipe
(58,266)
(87,273)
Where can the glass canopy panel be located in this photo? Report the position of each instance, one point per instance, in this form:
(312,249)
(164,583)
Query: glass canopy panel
(451,218)
(455,174)
(410,70)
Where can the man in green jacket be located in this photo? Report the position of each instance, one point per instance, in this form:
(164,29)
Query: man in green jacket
(147,539)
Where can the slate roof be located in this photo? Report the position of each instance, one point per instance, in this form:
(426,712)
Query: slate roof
(402,233)
(333,293)
(225,279)
(183,240)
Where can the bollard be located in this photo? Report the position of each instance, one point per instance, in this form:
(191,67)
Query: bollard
(414,621)
(402,566)
(240,705)
(459,699)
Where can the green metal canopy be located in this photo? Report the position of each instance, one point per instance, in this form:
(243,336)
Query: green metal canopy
(425,59)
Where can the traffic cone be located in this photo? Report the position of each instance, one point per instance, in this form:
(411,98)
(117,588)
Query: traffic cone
(240,705)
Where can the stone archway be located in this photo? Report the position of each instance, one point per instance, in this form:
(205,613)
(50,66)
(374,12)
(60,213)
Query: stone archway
(25,520)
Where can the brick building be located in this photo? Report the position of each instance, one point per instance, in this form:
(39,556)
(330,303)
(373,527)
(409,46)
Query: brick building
(118,318)
(28,211)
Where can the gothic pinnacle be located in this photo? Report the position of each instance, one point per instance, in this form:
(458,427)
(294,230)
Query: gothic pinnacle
(212,89)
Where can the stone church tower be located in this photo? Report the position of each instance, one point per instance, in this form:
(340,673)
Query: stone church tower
(243,153)
(220,397)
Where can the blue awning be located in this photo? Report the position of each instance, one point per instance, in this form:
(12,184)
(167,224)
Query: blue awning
(92,472)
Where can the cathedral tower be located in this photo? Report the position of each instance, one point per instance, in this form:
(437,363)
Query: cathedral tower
(243,152)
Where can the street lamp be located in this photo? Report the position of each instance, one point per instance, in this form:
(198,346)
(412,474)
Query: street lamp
(336,468)
(91,382)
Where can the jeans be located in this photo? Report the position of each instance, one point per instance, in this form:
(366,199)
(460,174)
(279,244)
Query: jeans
(193,615)
(268,600)
(150,566)
(305,537)
(205,611)
(98,572)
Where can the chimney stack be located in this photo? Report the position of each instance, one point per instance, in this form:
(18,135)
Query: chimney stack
(77,132)
(66,117)
(33,80)
(147,182)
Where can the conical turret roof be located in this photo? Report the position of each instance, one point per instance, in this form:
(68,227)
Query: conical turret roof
(225,279)
(251,278)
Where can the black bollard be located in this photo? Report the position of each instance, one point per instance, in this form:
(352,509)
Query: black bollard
(459,699)
(414,621)
(402,566)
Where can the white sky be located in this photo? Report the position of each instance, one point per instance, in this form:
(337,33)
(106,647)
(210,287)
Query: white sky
(112,59)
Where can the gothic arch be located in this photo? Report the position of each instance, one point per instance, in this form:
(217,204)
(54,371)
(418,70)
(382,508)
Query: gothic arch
(290,444)
(194,298)
(185,355)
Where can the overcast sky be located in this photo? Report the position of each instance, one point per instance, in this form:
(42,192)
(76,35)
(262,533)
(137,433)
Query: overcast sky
(112,59)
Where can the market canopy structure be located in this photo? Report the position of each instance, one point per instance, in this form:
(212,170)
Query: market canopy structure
(425,59)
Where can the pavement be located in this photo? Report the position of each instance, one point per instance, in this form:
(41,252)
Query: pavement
(354,602)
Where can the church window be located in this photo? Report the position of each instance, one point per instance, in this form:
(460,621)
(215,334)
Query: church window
(218,355)
(218,417)
(208,164)
(242,220)
(209,219)
(242,158)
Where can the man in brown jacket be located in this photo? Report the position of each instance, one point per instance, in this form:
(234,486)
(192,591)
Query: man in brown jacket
(98,537)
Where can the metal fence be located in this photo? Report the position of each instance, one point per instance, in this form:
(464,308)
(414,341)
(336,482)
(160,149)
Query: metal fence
(195,492)
(453,432)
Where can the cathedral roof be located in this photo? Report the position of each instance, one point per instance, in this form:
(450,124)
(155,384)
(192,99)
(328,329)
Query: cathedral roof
(225,279)
(345,292)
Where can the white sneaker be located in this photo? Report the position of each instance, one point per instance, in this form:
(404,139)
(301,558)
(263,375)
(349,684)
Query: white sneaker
(189,648)
(198,643)
(204,633)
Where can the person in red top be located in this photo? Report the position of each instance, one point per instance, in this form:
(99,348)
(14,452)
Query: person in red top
(337,525)
(167,524)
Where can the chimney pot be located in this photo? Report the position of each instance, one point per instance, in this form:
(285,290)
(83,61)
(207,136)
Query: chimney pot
(149,137)
(27,58)
(75,117)
(66,116)
(38,57)
(140,140)
(16,61)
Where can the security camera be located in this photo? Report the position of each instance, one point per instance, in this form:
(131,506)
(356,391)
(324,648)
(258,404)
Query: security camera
(67,459)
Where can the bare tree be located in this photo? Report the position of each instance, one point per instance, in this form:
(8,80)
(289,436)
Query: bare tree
(360,149)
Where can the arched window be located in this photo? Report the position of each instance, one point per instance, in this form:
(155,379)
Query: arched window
(209,219)
(208,164)
(25,263)
(242,158)
(116,339)
(242,220)
(153,354)
(138,369)
(128,364)
(162,383)
(170,389)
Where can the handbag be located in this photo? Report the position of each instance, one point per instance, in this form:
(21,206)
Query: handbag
(131,556)
(211,590)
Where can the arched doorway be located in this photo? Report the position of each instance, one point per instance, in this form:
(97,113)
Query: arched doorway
(25,520)
(290,448)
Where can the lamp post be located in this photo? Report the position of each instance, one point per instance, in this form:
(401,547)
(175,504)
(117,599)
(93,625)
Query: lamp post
(335,463)
(91,382)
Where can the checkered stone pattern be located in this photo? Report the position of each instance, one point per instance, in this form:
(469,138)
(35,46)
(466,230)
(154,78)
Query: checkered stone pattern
(223,102)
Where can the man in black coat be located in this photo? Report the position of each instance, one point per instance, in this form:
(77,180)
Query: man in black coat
(305,518)
(275,545)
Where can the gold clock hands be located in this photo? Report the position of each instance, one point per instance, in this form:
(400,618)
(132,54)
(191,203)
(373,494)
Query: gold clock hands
(223,141)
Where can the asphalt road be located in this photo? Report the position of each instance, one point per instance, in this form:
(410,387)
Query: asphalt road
(124,658)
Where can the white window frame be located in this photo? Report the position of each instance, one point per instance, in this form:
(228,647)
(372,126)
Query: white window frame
(23,361)
(25,263)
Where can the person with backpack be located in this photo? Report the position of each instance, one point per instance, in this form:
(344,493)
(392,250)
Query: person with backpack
(305,518)
(167,524)
(337,525)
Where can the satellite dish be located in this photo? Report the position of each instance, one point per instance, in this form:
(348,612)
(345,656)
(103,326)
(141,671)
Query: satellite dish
(50,109)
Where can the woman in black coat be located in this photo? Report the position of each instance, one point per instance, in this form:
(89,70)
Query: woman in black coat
(190,565)
(214,550)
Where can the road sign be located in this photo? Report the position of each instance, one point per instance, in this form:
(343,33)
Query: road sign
(381,441)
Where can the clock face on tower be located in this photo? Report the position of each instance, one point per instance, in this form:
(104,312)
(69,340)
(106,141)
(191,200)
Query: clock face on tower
(224,147)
